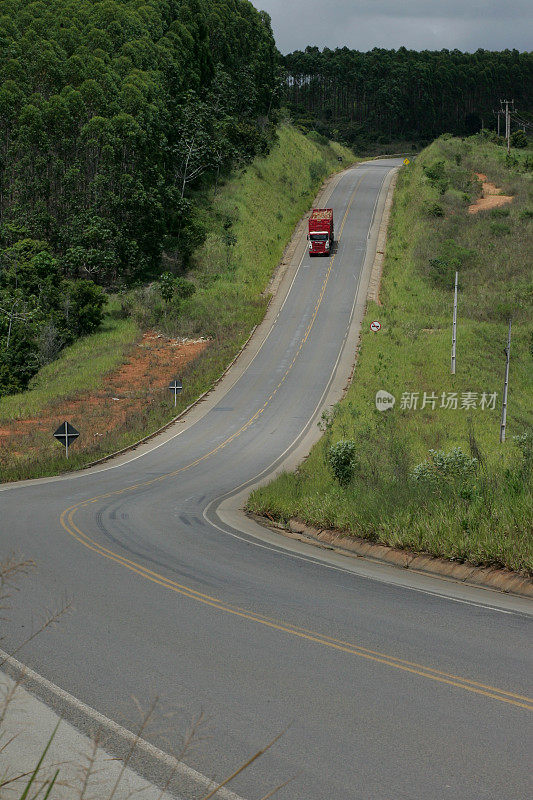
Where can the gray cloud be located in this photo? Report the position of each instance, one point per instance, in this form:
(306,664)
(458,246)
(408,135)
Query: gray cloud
(415,24)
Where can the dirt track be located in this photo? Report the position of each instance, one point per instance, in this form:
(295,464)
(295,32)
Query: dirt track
(491,198)
(148,368)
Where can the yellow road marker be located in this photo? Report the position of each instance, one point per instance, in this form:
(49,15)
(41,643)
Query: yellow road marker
(67,522)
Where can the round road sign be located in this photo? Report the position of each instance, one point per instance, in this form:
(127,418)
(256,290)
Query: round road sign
(375,326)
(406,161)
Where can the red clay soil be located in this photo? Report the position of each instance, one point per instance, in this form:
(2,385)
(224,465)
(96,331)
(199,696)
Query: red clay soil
(126,392)
(491,197)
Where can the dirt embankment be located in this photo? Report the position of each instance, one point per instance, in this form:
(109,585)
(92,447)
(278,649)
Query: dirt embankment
(491,197)
(127,391)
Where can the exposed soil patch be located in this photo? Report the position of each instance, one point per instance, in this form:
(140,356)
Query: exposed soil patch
(491,198)
(124,393)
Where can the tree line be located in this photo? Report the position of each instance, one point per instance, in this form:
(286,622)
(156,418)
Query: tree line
(110,114)
(388,95)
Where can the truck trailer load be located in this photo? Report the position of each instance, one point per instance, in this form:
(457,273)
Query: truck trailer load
(320,234)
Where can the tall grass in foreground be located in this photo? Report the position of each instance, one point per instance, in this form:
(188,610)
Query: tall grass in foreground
(92,773)
(488,519)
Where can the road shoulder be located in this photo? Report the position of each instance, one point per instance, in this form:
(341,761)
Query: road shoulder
(501,580)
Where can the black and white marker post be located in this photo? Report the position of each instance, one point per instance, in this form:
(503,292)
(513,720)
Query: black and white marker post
(507,352)
(175,386)
(454,324)
(66,434)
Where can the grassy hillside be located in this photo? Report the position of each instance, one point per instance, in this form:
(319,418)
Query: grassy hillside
(475,503)
(111,116)
(79,368)
(247,226)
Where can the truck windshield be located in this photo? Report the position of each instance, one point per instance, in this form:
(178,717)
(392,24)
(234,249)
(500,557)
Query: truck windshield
(319,237)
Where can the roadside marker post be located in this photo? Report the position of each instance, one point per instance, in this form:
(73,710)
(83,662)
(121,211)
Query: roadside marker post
(375,326)
(507,352)
(66,434)
(454,325)
(175,386)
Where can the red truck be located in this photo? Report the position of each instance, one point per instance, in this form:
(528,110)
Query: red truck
(320,234)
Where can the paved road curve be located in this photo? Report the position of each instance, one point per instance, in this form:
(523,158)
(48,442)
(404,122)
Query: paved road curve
(392,687)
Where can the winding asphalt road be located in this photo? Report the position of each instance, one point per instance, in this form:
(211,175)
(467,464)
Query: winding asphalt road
(392,685)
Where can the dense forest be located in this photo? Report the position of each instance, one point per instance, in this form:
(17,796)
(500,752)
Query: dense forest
(110,113)
(114,112)
(392,95)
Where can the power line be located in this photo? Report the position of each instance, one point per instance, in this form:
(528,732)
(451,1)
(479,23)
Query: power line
(523,122)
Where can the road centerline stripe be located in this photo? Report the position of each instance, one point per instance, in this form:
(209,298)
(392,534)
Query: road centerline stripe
(67,522)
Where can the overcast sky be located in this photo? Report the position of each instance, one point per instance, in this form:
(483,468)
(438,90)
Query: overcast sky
(416,24)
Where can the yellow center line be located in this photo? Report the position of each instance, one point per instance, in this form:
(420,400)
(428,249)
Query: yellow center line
(383,658)
(67,522)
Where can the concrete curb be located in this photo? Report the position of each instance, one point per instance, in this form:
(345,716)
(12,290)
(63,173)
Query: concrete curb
(377,267)
(501,580)
(27,725)
(491,578)
(149,768)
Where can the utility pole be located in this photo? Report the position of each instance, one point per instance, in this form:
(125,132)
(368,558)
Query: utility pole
(454,325)
(507,113)
(505,386)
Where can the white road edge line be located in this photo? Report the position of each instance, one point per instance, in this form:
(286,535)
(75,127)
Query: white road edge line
(141,744)
(387,582)
(96,470)
(250,539)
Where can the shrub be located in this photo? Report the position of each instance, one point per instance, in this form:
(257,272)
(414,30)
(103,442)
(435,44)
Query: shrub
(435,210)
(519,139)
(317,137)
(500,228)
(455,198)
(341,460)
(183,288)
(436,175)
(170,286)
(166,286)
(316,170)
(454,469)
(86,306)
(451,258)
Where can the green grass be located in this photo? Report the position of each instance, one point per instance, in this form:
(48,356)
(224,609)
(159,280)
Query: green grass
(486,519)
(80,367)
(260,206)
(258,209)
